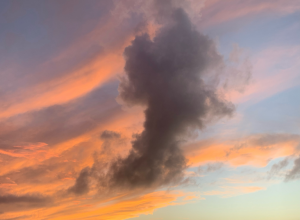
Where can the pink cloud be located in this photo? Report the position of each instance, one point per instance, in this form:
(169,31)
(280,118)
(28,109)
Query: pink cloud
(218,11)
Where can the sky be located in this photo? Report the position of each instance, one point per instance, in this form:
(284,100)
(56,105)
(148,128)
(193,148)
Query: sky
(149,110)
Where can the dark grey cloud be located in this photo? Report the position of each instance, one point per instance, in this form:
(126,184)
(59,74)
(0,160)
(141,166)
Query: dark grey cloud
(167,76)
(82,182)
(295,172)
(109,135)
(277,167)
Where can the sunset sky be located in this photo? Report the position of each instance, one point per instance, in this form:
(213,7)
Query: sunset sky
(150,109)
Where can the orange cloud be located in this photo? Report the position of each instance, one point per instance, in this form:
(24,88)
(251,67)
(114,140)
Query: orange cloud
(112,209)
(65,89)
(256,150)
(54,168)
(78,80)
(37,151)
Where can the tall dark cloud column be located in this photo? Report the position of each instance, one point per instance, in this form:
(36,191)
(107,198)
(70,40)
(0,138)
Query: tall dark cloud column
(166,76)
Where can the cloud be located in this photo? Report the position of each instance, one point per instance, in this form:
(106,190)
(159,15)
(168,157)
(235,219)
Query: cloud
(109,135)
(239,70)
(83,50)
(19,217)
(59,123)
(295,172)
(216,12)
(255,150)
(123,206)
(12,202)
(24,198)
(273,75)
(278,167)
(82,182)
(210,167)
(166,76)
(230,191)
(33,137)
(58,111)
